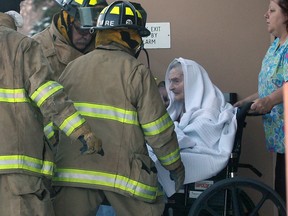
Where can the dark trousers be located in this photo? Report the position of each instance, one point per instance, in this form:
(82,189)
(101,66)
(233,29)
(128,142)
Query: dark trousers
(280,178)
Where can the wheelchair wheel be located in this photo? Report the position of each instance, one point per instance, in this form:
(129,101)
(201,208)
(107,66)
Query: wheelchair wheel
(235,193)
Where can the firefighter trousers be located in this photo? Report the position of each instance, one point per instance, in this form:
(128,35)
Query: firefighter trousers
(72,201)
(25,195)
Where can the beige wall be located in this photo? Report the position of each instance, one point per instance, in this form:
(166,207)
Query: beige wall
(229,39)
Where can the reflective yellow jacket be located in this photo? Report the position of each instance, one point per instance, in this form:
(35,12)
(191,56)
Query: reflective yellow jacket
(26,94)
(120,100)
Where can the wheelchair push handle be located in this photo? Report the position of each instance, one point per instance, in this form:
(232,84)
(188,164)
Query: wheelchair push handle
(246,110)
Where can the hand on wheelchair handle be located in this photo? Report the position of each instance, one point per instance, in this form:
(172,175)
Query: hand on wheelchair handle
(178,176)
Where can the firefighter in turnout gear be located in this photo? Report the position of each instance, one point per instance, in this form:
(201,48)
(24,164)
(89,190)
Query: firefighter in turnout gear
(66,39)
(26,95)
(119,97)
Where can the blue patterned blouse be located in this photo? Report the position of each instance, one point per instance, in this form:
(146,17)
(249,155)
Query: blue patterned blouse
(273,74)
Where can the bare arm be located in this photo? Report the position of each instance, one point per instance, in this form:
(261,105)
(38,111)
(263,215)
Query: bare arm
(265,105)
(250,98)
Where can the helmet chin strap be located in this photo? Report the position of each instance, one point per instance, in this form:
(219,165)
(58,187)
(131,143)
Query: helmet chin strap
(147,56)
(141,47)
(138,50)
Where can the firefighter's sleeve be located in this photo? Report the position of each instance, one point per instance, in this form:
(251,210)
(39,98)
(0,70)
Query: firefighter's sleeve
(156,123)
(48,95)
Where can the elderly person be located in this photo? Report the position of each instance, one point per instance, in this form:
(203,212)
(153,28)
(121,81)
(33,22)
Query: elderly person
(204,123)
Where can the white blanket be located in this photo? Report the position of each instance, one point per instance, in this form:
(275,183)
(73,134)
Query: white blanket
(206,130)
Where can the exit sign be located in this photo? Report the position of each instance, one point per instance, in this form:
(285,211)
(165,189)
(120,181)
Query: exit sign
(160,36)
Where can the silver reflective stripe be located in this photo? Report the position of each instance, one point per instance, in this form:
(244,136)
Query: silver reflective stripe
(170,158)
(107,180)
(158,126)
(49,130)
(26,163)
(71,123)
(107,112)
(13,95)
(45,91)
(68,125)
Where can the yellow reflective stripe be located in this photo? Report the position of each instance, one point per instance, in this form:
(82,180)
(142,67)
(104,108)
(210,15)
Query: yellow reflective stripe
(170,158)
(93,2)
(13,95)
(107,112)
(128,11)
(107,179)
(115,10)
(139,14)
(157,126)
(71,123)
(49,130)
(160,193)
(26,163)
(79,1)
(45,91)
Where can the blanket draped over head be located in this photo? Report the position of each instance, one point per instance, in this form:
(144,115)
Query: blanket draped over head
(206,129)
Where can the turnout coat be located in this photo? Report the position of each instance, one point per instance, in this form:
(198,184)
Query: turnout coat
(119,98)
(26,94)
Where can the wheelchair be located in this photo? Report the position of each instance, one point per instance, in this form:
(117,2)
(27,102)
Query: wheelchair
(226,194)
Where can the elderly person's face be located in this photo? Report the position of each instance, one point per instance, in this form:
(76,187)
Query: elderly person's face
(176,83)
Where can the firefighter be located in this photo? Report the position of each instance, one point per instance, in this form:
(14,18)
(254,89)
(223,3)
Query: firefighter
(26,95)
(119,97)
(66,39)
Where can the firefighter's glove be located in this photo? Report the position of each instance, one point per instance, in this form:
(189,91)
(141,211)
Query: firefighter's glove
(91,144)
(178,176)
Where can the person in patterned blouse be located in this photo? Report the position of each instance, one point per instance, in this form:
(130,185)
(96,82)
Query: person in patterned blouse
(269,98)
